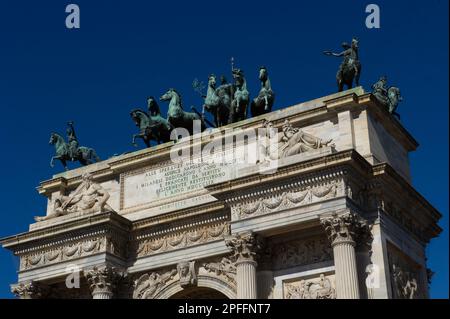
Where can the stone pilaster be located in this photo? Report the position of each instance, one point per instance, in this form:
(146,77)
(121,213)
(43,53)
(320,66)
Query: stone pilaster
(102,281)
(245,247)
(29,290)
(363,249)
(342,230)
(264,273)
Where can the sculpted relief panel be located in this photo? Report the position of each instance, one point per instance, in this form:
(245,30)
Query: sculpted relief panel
(321,287)
(185,274)
(300,252)
(88,198)
(405,276)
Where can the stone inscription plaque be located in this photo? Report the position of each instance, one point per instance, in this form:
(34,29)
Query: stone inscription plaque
(176,181)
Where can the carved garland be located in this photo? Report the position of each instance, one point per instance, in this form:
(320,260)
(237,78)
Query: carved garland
(72,250)
(183,239)
(286,200)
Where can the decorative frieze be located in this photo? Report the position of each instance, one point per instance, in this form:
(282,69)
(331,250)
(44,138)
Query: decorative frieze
(180,239)
(72,250)
(316,288)
(277,200)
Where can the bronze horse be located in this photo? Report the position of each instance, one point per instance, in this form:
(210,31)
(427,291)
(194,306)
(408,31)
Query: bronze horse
(84,155)
(264,101)
(350,68)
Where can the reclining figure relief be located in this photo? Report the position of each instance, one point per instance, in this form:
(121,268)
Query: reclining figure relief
(290,141)
(88,198)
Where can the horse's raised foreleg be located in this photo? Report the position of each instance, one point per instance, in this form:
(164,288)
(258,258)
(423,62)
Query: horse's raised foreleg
(134,139)
(52,161)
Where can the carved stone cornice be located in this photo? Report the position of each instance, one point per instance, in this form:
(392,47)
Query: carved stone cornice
(245,246)
(343,228)
(56,233)
(30,290)
(102,280)
(397,198)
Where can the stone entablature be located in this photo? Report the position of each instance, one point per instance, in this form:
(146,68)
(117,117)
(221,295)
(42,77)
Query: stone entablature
(224,230)
(102,233)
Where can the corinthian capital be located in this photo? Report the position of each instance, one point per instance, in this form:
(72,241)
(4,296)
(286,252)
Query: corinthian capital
(102,281)
(245,246)
(29,290)
(342,228)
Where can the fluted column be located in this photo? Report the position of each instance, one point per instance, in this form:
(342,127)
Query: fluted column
(341,230)
(102,281)
(29,290)
(245,246)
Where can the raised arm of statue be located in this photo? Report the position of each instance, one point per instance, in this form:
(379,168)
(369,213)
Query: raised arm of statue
(334,54)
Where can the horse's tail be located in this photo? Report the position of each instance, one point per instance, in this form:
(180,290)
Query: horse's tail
(94,155)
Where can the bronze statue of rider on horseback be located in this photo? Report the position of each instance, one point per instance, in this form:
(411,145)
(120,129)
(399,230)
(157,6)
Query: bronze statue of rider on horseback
(350,67)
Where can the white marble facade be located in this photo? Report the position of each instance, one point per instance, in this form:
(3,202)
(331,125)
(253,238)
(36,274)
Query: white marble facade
(337,218)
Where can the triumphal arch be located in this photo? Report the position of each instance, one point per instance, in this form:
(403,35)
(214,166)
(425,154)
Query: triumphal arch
(328,211)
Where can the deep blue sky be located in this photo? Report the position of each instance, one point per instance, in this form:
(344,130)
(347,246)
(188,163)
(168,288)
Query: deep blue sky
(128,50)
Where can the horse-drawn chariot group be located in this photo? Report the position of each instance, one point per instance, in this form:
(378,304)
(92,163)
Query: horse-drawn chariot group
(226,102)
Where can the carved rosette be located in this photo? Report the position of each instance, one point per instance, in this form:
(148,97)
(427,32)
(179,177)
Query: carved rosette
(102,281)
(344,228)
(29,290)
(245,247)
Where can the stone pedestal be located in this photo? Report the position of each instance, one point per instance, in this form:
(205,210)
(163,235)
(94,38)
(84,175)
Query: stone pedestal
(342,230)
